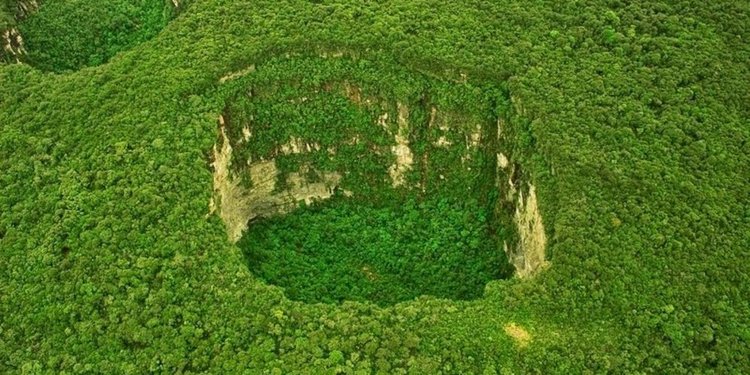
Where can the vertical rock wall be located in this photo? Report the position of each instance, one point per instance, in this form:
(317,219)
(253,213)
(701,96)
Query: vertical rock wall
(529,254)
(10,38)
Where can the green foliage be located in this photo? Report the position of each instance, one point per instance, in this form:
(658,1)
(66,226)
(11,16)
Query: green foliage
(71,34)
(7,17)
(631,119)
(342,250)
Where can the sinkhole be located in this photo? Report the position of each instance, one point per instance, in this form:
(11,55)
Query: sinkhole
(346,179)
(65,36)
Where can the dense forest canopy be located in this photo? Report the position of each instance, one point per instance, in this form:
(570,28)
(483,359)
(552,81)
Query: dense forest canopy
(630,119)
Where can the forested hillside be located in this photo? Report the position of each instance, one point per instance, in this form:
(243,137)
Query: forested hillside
(491,187)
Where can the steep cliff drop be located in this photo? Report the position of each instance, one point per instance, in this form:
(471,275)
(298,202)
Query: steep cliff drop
(282,147)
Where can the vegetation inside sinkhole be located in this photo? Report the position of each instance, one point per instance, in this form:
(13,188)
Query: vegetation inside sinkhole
(385,245)
(344,250)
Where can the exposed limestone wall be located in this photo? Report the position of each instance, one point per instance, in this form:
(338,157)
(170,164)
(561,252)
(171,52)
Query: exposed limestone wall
(12,43)
(404,156)
(237,204)
(26,7)
(529,254)
(233,203)
(442,126)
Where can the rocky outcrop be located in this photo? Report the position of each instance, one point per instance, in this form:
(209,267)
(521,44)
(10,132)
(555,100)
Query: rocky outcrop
(13,47)
(404,156)
(26,7)
(12,42)
(237,204)
(529,254)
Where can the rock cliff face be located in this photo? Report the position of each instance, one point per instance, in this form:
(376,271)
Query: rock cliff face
(26,7)
(12,42)
(426,147)
(238,205)
(12,45)
(528,256)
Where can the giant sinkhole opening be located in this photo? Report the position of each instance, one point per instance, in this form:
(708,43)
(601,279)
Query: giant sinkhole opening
(342,178)
(65,36)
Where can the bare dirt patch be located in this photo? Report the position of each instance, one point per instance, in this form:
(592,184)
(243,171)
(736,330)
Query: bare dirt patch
(521,336)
